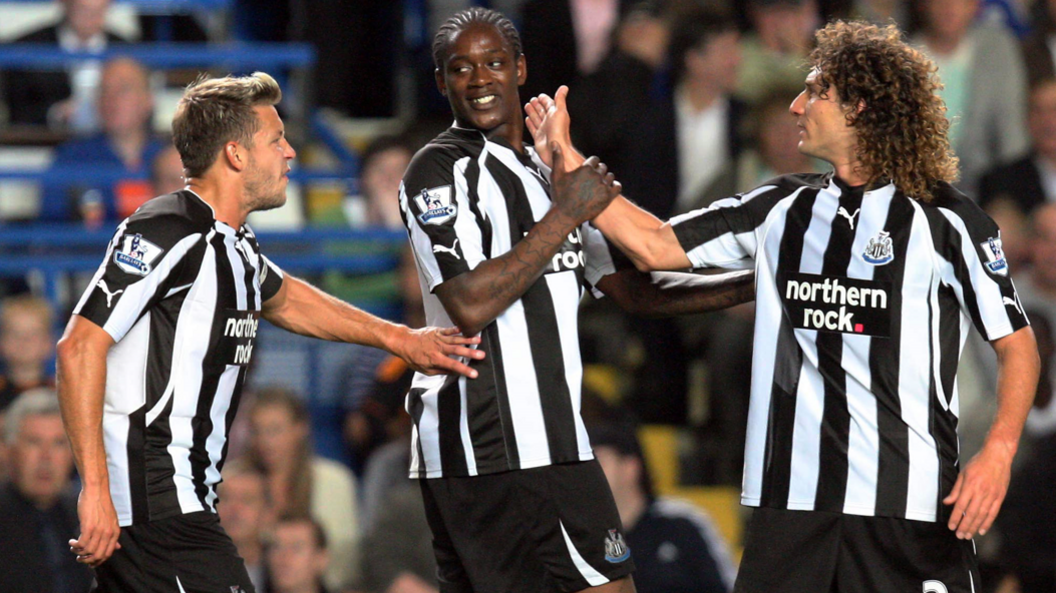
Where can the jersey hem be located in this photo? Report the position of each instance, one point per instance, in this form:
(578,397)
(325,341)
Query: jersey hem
(500,467)
(912,515)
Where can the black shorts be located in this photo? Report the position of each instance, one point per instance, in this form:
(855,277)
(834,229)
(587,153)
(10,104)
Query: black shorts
(797,551)
(183,554)
(553,528)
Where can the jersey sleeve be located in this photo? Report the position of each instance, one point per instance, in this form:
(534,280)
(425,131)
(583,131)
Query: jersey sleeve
(271,277)
(725,234)
(970,260)
(435,202)
(143,261)
(602,258)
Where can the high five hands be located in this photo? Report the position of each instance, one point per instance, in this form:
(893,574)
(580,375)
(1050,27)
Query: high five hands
(548,121)
(582,188)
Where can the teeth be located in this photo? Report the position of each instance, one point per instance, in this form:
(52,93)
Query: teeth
(484,100)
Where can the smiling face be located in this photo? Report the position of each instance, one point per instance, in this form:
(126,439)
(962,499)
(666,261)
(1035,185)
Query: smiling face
(269,162)
(479,77)
(822,121)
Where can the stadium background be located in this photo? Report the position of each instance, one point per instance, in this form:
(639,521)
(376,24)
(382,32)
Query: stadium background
(357,78)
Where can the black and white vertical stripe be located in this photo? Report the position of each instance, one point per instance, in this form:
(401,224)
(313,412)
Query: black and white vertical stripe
(858,419)
(173,382)
(523,409)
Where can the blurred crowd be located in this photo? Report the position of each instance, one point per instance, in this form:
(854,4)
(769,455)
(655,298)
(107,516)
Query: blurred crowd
(687,102)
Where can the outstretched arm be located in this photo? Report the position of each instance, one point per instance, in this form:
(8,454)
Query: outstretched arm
(303,309)
(665,294)
(981,487)
(474,298)
(649,242)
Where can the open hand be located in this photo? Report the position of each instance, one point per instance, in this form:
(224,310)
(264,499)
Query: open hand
(99,529)
(548,121)
(434,351)
(978,492)
(584,192)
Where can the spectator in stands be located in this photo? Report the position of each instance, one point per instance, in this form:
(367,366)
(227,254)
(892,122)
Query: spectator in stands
(776,142)
(125,146)
(1039,51)
(300,483)
(382,166)
(166,172)
(1037,285)
(623,86)
(881,12)
(26,345)
(1030,180)
(63,99)
(244,516)
(676,548)
(297,556)
(38,512)
(985,85)
(566,40)
(775,49)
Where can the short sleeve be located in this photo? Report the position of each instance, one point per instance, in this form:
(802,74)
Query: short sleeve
(436,205)
(972,262)
(271,277)
(602,258)
(726,233)
(144,259)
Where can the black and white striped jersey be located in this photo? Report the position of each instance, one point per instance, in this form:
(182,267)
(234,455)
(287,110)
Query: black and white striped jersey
(863,304)
(181,294)
(466,199)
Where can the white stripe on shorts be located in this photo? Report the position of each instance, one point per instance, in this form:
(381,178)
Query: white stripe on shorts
(593,577)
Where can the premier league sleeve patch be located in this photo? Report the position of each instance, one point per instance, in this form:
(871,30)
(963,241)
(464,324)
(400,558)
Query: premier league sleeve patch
(995,256)
(135,255)
(436,205)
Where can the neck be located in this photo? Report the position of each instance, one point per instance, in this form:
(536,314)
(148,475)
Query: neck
(701,94)
(850,172)
(129,147)
(225,198)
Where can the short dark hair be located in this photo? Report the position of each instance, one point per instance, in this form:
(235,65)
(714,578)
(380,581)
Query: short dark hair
(463,19)
(318,534)
(215,111)
(693,28)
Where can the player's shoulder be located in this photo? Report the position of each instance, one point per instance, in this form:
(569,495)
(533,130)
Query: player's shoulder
(947,198)
(169,218)
(794,181)
(435,163)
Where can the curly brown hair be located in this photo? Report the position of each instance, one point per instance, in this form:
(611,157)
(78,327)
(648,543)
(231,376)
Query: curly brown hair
(901,126)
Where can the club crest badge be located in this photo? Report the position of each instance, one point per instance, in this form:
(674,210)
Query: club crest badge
(435,205)
(995,256)
(616,549)
(879,250)
(136,255)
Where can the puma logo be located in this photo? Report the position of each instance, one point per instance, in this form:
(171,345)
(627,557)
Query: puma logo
(451,249)
(110,295)
(850,217)
(1012,302)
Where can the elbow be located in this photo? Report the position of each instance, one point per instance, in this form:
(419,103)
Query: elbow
(469,320)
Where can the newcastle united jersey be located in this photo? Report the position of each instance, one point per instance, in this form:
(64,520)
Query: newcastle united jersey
(864,300)
(181,294)
(466,199)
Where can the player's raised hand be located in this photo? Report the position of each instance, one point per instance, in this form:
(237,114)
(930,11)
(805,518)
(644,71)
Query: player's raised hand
(99,529)
(584,192)
(434,351)
(548,121)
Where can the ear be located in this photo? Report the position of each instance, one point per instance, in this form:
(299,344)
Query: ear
(440,84)
(522,70)
(234,155)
